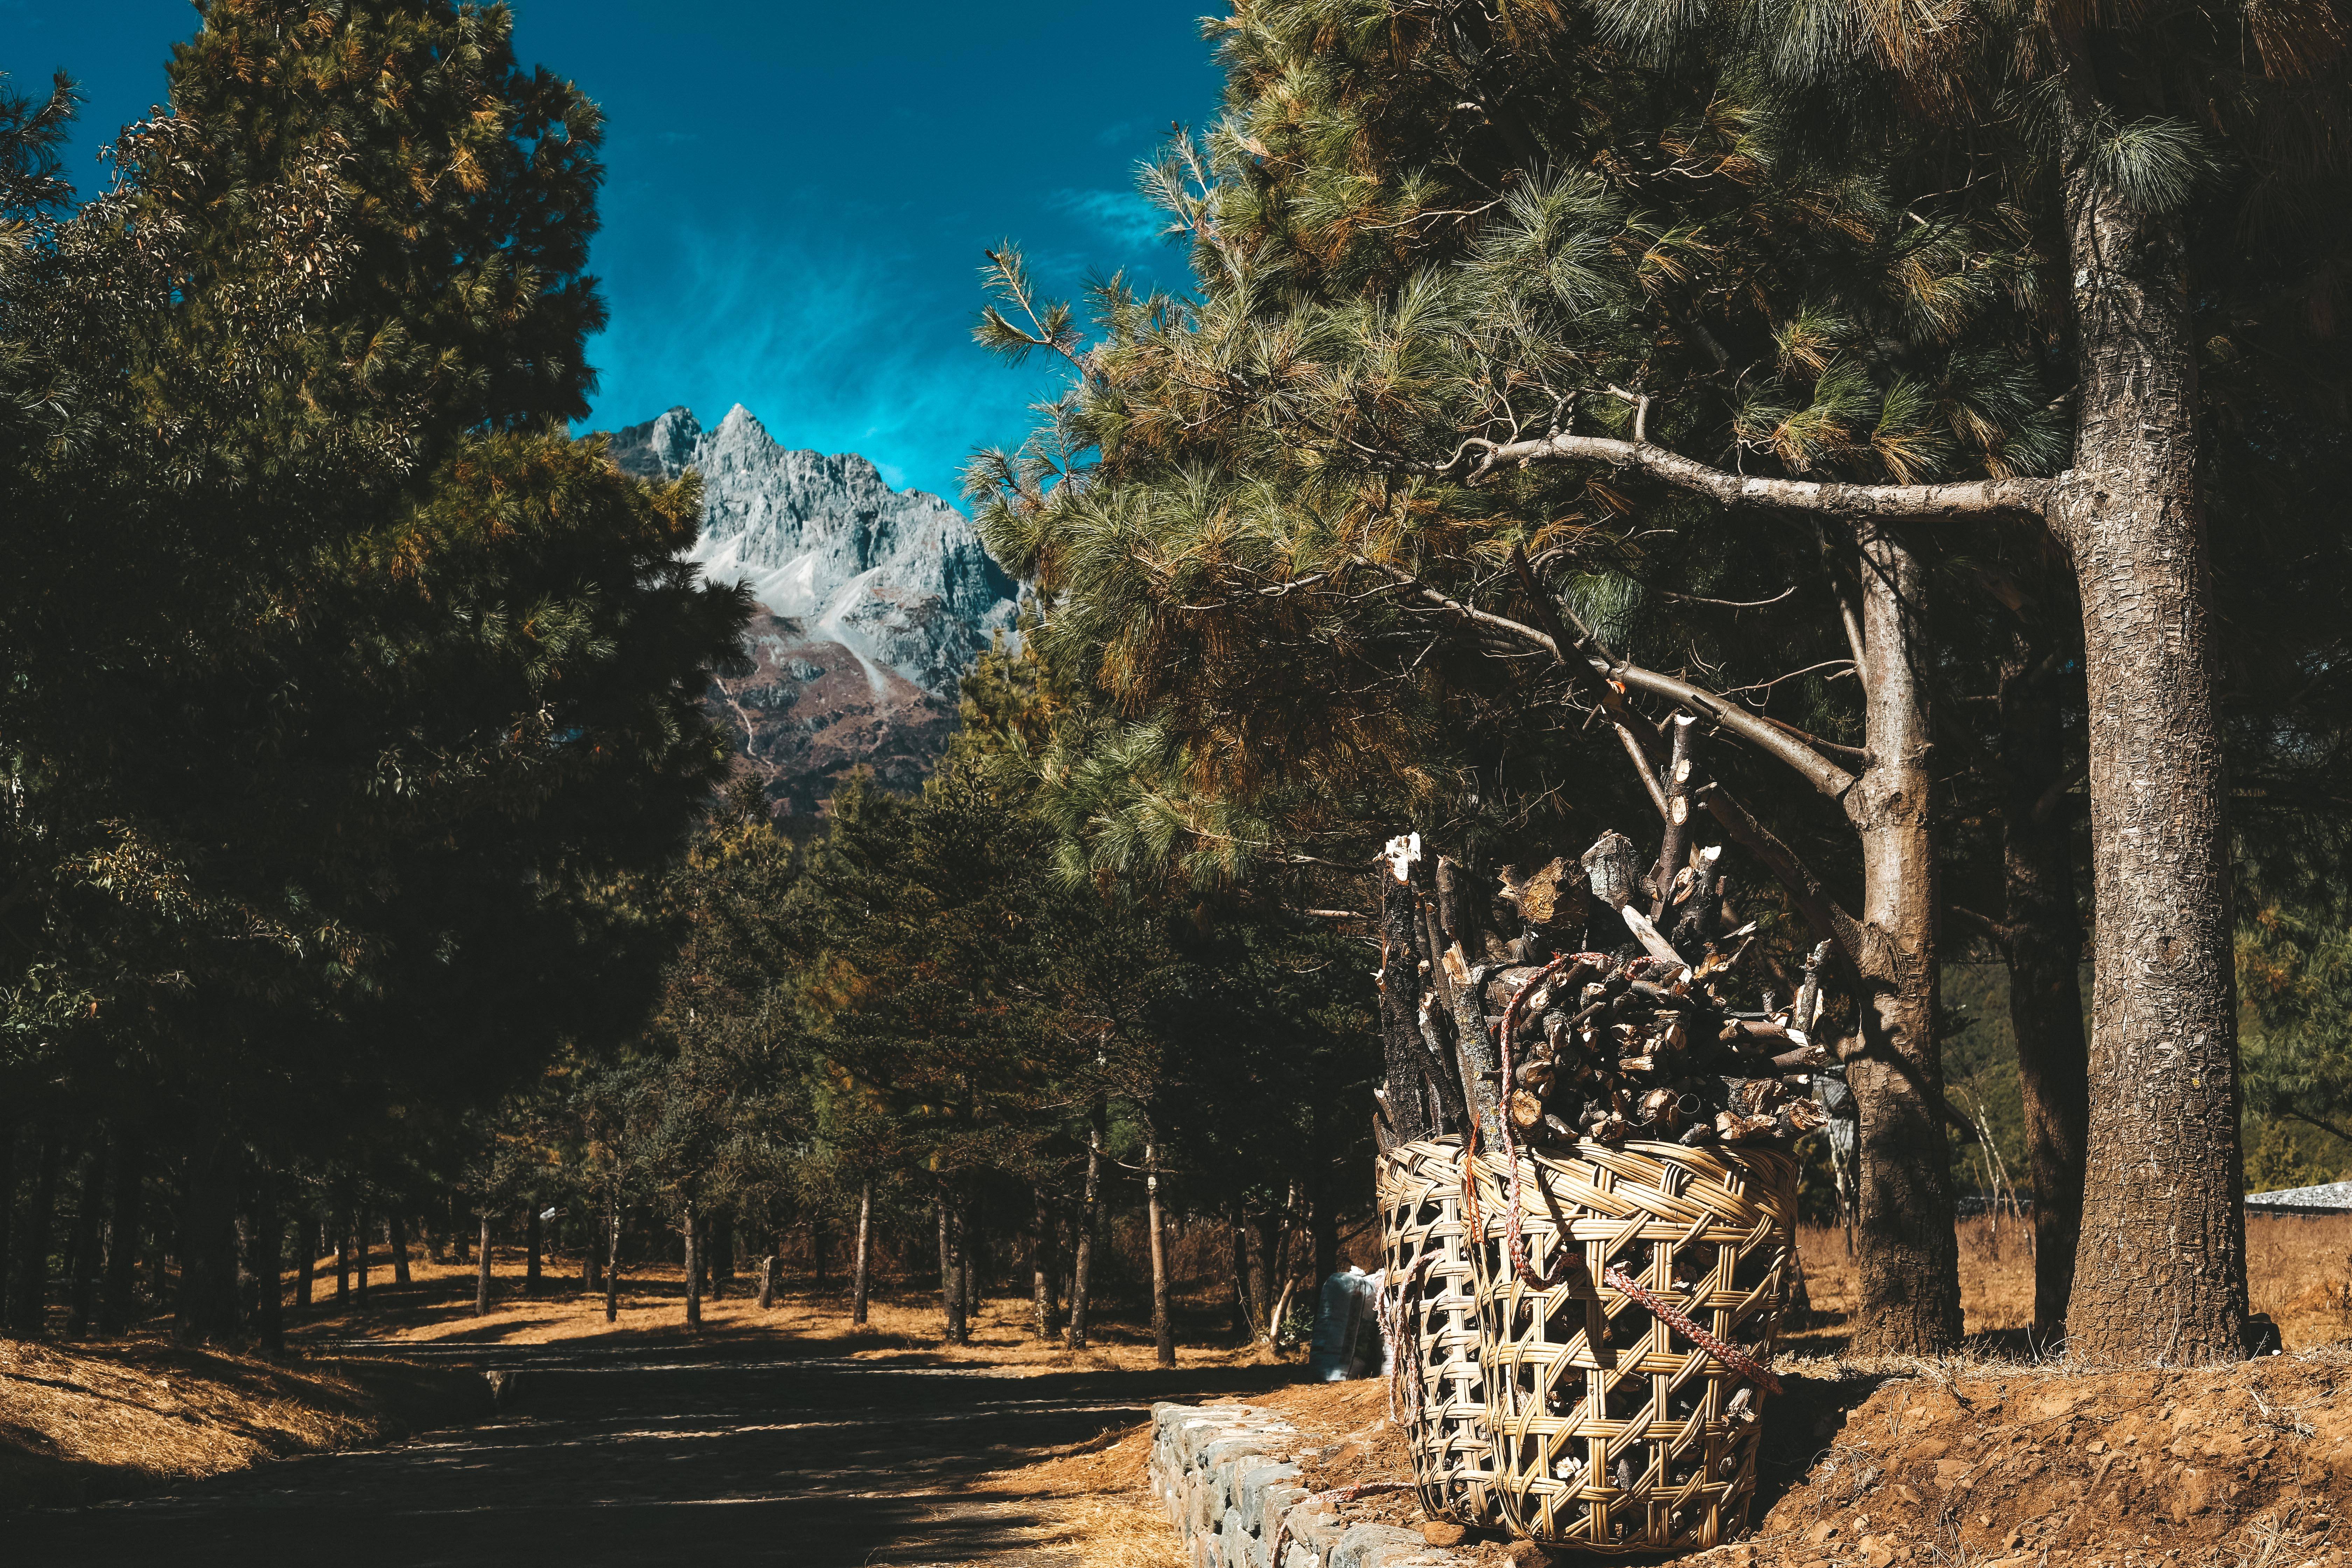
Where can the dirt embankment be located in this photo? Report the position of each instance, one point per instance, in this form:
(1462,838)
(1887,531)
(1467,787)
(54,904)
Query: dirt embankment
(82,1423)
(1985,1465)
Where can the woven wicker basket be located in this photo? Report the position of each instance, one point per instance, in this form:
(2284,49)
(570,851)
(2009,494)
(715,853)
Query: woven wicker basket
(1612,1431)
(1434,1336)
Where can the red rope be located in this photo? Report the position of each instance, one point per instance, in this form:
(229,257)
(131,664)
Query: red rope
(1745,1366)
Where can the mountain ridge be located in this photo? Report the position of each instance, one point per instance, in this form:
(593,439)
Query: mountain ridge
(873,603)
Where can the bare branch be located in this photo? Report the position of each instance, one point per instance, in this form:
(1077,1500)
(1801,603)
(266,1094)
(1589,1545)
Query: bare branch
(1971,498)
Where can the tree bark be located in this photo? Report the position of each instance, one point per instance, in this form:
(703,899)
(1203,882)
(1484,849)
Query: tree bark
(119,1300)
(269,1262)
(360,1249)
(693,1268)
(1245,1310)
(533,1234)
(396,1238)
(2160,1268)
(1163,1326)
(7,1212)
(613,1254)
(342,1259)
(1082,1279)
(1041,1265)
(2041,942)
(482,1270)
(204,1307)
(28,1311)
(1909,1256)
(865,1252)
(81,1252)
(953,1266)
(306,1265)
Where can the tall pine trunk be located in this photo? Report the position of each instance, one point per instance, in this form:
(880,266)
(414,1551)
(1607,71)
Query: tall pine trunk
(7,1213)
(269,1262)
(117,1298)
(306,1265)
(395,1237)
(1163,1326)
(693,1268)
(952,1268)
(482,1270)
(27,1310)
(82,1252)
(360,1249)
(342,1223)
(204,1307)
(2041,942)
(864,1251)
(613,1254)
(1909,1256)
(1041,1265)
(533,1235)
(2160,1268)
(1082,1274)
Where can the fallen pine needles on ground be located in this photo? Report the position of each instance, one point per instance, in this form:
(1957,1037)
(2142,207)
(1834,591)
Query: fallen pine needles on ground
(83,1423)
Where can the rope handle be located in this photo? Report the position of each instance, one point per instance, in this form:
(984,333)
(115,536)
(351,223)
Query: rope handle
(1746,1366)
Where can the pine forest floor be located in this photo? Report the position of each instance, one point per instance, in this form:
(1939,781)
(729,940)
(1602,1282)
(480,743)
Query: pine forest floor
(795,1438)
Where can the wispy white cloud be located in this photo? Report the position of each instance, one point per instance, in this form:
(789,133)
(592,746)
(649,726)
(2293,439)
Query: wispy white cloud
(1122,216)
(836,349)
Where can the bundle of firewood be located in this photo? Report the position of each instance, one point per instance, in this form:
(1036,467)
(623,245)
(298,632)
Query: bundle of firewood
(1592,1022)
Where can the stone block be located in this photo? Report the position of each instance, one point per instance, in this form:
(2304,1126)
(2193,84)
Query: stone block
(1377,1546)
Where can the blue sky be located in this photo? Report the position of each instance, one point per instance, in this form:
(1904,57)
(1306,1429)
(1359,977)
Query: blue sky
(798,194)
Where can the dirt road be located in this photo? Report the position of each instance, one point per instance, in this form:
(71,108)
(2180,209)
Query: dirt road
(651,1454)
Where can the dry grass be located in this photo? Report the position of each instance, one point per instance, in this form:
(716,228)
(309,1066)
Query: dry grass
(86,1421)
(2298,1270)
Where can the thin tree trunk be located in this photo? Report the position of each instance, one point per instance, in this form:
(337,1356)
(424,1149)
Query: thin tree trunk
(1245,1310)
(81,1252)
(532,1235)
(1041,1267)
(342,1259)
(119,1298)
(952,1281)
(482,1270)
(1082,1278)
(2160,1268)
(28,1313)
(396,1238)
(613,1255)
(7,1212)
(1163,1326)
(2043,943)
(864,1251)
(269,1262)
(967,1274)
(1910,1255)
(693,1268)
(768,1282)
(306,1267)
(360,1249)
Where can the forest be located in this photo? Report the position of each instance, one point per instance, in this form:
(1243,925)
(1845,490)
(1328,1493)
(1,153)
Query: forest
(1897,473)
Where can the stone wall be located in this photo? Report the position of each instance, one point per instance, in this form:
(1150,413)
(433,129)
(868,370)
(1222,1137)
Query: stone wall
(1228,1474)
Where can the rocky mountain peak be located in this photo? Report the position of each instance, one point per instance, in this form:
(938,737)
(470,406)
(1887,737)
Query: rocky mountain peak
(887,595)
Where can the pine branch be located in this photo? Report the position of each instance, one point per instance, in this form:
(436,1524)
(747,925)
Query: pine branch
(1477,460)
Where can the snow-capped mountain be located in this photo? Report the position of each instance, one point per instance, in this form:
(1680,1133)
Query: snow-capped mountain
(876,601)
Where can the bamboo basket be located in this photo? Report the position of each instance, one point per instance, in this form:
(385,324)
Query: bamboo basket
(1430,1315)
(1586,1387)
